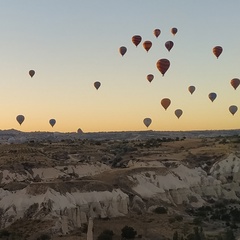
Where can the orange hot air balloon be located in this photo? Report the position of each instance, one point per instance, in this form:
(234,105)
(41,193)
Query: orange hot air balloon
(122,50)
(235,83)
(136,39)
(178,113)
(147,45)
(31,73)
(165,102)
(163,65)
(169,45)
(157,32)
(97,85)
(150,77)
(191,89)
(217,51)
(174,31)
(212,96)
(233,109)
(147,121)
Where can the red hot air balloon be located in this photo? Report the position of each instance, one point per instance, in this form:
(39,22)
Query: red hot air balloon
(174,31)
(233,109)
(235,83)
(31,73)
(157,32)
(122,50)
(191,89)
(147,45)
(169,45)
(163,65)
(178,113)
(150,77)
(212,96)
(136,39)
(217,51)
(97,85)
(165,102)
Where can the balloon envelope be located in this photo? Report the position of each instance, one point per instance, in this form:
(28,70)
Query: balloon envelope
(235,83)
(31,73)
(191,89)
(178,113)
(122,50)
(150,77)
(169,45)
(147,45)
(233,109)
(163,65)
(217,51)
(174,31)
(165,102)
(20,119)
(157,32)
(97,85)
(136,39)
(212,96)
(147,121)
(52,122)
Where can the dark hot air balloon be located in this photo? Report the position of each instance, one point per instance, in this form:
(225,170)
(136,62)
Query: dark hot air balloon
(136,39)
(20,119)
(31,73)
(163,65)
(147,45)
(52,122)
(97,85)
(217,51)
(191,89)
(165,102)
(212,96)
(174,31)
(157,32)
(169,45)
(150,77)
(178,113)
(147,121)
(235,83)
(122,50)
(233,109)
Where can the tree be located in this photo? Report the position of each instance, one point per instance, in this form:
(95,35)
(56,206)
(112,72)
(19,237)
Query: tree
(128,233)
(175,235)
(106,235)
(229,235)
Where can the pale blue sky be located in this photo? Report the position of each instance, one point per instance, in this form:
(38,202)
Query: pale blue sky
(71,44)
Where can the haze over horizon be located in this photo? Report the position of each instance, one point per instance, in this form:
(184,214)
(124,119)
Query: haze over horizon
(71,45)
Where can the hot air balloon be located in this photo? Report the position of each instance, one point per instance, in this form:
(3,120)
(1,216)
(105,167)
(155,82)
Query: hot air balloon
(157,32)
(20,119)
(217,51)
(52,122)
(191,89)
(80,131)
(122,50)
(178,113)
(212,96)
(165,102)
(147,45)
(163,65)
(174,31)
(147,121)
(150,77)
(31,73)
(169,45)
(235,83)
(233,109)
(97,85)
(136,39)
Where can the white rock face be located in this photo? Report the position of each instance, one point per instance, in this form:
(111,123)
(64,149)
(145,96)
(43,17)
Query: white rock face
(74,207)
